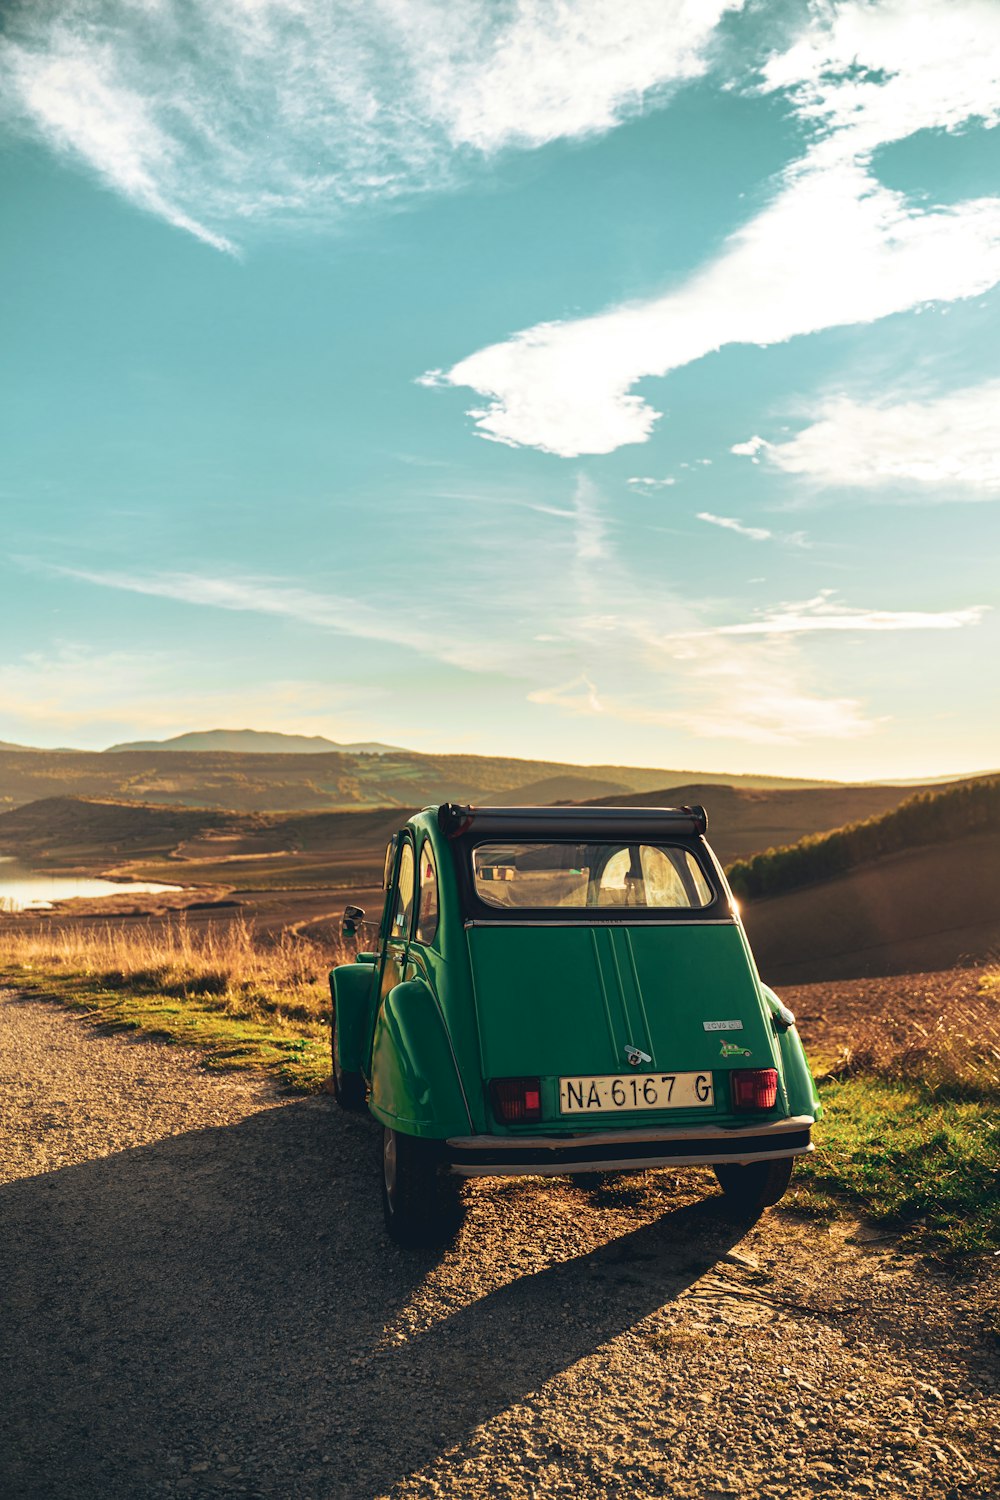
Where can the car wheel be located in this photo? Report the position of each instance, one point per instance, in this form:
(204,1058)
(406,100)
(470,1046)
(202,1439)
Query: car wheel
(348,1088)
(420,1200)
(749,1189)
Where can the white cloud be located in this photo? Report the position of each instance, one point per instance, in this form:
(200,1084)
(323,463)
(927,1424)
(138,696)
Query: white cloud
(870,73)
(647,482)
(833,247)
(730,523)
(823,612)
(755,533)
(213,112)
(950,444)
(750,449)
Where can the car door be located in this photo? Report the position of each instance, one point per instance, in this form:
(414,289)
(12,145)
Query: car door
(399,920)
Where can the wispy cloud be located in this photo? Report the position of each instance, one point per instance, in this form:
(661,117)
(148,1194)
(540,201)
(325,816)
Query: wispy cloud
(730,523)
(833,247)
(594,635)
(262,596)
(645,484)
(755,533)
(71,689)
(824,612)
(947,446)
(756,697)
(211,113)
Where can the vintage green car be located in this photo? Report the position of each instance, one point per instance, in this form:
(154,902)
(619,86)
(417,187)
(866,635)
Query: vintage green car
(563,990)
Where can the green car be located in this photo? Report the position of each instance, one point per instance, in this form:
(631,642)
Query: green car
(563,990)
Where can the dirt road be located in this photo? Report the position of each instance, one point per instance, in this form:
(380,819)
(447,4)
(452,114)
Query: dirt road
(198,1300)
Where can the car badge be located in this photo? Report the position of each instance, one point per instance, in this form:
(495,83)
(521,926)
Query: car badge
(635,1055)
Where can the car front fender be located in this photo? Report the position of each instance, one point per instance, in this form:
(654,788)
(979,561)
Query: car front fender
(352,989)
(415,1082)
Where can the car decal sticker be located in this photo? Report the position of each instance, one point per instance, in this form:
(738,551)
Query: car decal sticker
(731,1049)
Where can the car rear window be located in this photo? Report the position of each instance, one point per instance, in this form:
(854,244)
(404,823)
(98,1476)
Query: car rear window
(527,876)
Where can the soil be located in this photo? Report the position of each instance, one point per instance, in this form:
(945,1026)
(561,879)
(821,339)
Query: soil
(199,1300)
(826,1014)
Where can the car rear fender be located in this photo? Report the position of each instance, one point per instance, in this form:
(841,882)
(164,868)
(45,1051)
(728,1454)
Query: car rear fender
(352,988)
(416,1087)
(799,1086)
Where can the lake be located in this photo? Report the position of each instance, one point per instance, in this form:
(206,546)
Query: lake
(24,889)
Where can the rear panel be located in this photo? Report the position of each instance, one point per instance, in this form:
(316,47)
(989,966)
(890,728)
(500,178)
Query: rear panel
(566,1000)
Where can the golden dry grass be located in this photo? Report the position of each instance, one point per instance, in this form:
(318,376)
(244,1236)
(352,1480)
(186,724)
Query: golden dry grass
(245,978)
(956,1053)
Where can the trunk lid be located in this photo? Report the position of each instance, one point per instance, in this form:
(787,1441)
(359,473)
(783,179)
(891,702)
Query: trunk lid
(571,999)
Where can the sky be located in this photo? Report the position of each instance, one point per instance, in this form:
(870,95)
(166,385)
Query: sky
(604,381)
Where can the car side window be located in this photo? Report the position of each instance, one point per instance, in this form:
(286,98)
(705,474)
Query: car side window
(427,908)
(404,895)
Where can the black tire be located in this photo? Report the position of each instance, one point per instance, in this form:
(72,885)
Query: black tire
(749,1189)
(348,1088)
(420,1201)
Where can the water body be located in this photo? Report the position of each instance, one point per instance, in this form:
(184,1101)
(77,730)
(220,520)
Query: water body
(24,889)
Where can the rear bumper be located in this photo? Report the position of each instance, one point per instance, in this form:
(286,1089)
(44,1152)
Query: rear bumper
(627,1150)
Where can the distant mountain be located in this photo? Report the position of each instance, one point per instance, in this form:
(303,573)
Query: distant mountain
(253,742)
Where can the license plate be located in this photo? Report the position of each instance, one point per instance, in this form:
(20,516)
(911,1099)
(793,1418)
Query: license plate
(612,1093)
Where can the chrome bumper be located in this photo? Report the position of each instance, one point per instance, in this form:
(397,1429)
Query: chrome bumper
(627,1150)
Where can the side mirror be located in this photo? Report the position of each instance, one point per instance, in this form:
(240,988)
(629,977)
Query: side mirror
(351,921)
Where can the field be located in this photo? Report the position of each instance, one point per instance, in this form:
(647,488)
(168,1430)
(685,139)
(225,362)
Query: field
(236,965)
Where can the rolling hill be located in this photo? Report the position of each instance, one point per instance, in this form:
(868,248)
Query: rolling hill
(323,780)
(743,819)
(913,890)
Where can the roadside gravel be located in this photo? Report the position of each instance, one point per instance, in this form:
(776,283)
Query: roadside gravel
(198,1300)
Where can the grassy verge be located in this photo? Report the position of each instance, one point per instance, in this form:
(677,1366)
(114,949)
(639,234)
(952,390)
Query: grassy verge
(241,1003)
(926,1166)
(911,1135)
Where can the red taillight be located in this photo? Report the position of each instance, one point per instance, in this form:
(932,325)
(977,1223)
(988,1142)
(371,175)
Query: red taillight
(516,1099)
(754,1088)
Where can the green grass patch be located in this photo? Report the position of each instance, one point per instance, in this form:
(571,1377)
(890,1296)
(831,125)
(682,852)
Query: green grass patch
(292,1049)
(921,1161)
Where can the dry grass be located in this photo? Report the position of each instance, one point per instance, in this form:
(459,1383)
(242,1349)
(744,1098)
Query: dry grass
(244,978)
(957,1054)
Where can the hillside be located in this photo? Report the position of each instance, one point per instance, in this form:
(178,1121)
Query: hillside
(321,781)
(743,820)
(928,817)
(921,909)
(912,890)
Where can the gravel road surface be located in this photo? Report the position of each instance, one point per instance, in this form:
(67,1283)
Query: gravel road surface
(198,1300)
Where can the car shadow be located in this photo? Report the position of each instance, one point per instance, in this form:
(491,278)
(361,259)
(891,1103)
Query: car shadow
(213,1309)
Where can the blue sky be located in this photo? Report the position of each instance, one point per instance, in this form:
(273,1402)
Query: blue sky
(596,381)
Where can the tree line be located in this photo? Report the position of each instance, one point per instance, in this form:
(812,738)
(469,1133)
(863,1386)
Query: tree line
(921,819)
